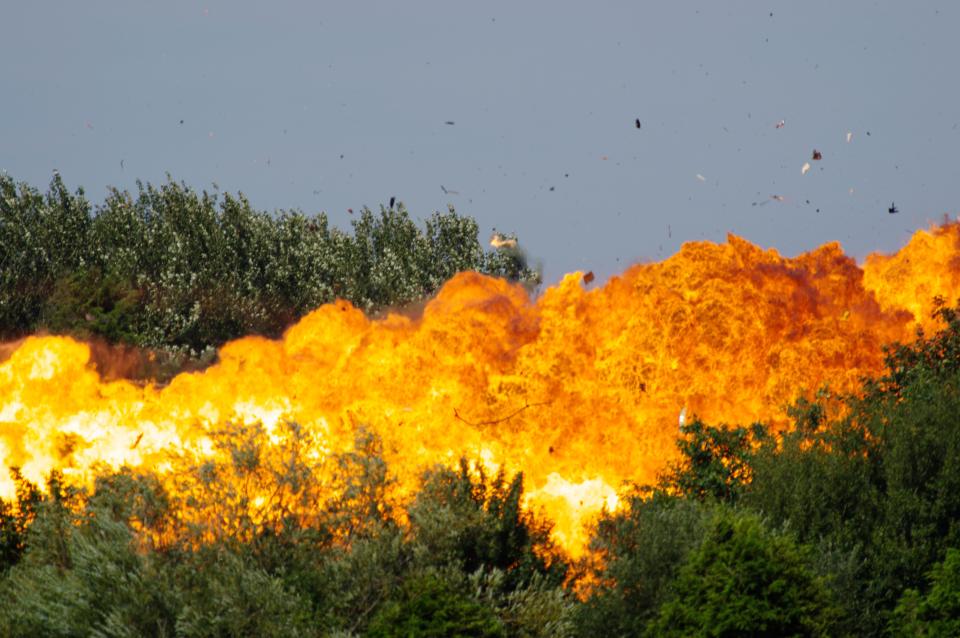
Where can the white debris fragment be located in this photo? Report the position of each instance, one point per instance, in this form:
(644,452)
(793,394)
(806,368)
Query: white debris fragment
(781,124)
(500,241)
(683,417)
(849,136)
(701,177)
(806,167)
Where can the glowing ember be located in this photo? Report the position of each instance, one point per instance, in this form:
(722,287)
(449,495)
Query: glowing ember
(578,389)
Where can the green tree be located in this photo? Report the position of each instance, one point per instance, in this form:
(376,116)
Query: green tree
(183,271)
(427,607)
(938,612)
(715,461)
(876,489)
(42,238)
(636,552)
(745,580)
(465,519)
(15,520)
(82,575)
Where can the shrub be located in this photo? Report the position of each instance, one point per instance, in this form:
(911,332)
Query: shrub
(745,580)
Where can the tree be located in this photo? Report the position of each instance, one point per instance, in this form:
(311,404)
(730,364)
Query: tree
(15,520)
(876,487)
(183,271)
(636,552)
(938,612)
(745,580)
(427,607)
(465,519)
(715,461)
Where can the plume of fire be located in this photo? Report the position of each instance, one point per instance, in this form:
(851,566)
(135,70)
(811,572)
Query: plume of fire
(578,389)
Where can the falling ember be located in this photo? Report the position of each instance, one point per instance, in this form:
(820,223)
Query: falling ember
(578,389)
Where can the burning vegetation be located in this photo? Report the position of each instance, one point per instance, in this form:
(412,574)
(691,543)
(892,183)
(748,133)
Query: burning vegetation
(532,417)
(579,390)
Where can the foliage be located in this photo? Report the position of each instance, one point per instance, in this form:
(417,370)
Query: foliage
(938,612)
(538,609)
(637,552)
(745,580)
(750,533)
(715,461)
(83,575)
(877,490)
(428,607)
(180,271)
(465,519)
(15,520)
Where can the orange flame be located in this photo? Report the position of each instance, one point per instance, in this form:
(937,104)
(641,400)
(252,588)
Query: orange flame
(580,390)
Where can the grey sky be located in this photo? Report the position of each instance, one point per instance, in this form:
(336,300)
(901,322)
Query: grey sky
(272,93)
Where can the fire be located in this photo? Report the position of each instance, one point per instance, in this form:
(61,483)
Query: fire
(581,390)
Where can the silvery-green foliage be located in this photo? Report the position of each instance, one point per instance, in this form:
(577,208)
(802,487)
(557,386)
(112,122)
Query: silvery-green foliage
(40,238)
(178,270)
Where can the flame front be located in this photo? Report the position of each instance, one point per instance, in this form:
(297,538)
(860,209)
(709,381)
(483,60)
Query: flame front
(579,389)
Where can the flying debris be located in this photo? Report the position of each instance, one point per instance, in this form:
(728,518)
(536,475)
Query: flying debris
(553,188)
(392,200)
(449,122)
(701,177)
(781,124)
(181,122)
(137,442)
(817,155)
(805,168)
(448,192)
(350,210)
(502,241)
(849,136)
(779,198)
(893,209)
(587,278)
(637,122)
(683,417)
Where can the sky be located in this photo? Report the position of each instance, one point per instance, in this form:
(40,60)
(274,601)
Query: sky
(336,105)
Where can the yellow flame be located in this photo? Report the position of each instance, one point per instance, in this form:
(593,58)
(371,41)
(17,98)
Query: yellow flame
(578,389)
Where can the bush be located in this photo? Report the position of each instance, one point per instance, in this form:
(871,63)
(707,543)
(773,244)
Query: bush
(182,271)
(464,519)
(427,607)
(637,552)
(745,580)
(876,489)
(83,575)
(715,461)
(938,612)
